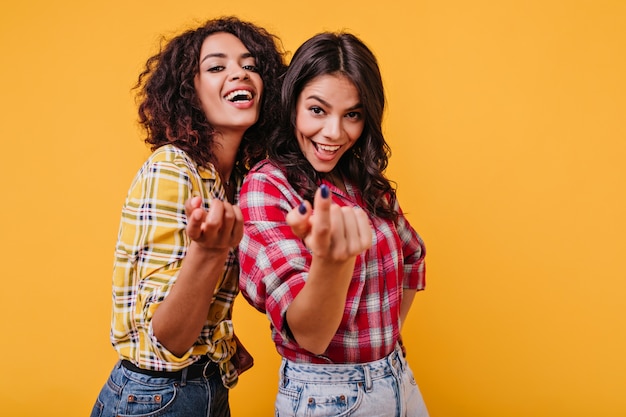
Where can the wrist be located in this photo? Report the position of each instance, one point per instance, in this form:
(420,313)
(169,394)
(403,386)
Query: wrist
(198,250)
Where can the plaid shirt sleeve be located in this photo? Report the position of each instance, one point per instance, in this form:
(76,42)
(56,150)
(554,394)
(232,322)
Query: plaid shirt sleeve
(274,262)
(414,251)
(150,249)
(152,243)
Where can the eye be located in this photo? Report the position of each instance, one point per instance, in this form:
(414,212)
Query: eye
(316,110)
(216,68)
(252,68)
(354,115)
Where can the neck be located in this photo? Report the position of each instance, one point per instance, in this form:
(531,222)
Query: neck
(226,148)
(336,179)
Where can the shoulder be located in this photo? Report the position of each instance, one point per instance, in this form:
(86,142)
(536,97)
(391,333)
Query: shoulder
(267,167)
(266,172)
(166,170)
(172,155)
(267,182)
(169,157)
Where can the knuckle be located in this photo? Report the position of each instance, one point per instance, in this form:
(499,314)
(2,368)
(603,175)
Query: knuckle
(323,229)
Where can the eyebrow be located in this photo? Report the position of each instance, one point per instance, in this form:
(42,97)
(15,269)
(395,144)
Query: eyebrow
(223,55)
(327,104)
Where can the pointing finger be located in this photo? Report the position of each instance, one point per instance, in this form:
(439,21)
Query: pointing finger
(298,219)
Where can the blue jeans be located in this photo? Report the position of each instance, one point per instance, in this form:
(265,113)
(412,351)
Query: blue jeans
(381,388)
(128,393)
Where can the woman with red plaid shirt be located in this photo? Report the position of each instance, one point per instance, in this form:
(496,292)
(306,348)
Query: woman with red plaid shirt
(327,253)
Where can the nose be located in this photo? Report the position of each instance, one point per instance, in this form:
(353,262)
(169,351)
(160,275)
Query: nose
(332,128)
(239,74)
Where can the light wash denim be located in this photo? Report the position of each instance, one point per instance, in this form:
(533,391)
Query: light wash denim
(383,388)
(128,393)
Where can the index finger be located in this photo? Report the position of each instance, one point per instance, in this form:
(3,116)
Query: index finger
(191,204)
(298,219)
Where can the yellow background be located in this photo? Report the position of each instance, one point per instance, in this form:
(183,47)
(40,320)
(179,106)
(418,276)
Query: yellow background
(507,125)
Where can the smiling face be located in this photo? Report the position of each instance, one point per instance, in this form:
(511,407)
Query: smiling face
(329,120)
(228,85)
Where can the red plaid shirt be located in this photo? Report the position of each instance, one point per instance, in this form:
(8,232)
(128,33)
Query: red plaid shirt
(275,264)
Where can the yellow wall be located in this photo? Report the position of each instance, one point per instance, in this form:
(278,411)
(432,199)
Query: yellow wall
(507,124)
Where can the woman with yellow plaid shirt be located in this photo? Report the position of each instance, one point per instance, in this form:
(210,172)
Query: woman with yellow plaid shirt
(207,101)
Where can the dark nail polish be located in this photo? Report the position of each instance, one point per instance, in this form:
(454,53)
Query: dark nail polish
(302,208)
(325,191)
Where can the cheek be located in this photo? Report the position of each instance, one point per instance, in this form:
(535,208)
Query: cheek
(207,85)
(354,132)
(260,87)
(305,125)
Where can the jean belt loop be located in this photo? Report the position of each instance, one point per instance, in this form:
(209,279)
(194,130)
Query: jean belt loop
(393,364)
(368,378)
(183,377)
(282,373)
(206,367)
(399,357)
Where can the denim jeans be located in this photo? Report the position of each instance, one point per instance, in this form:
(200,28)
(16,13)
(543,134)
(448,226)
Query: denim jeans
(375,389)
(128,393)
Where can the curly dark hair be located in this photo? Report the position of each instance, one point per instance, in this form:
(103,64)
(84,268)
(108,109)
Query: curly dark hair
(365,163)
(169,108)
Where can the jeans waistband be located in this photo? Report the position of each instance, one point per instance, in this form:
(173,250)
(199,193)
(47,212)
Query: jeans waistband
(203,368)
(338,373)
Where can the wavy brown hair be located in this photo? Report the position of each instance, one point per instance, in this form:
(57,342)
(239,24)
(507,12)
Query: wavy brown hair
(169,108)
(364,164)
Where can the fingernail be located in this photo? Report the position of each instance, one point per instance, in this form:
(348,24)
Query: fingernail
(302,208)
(325,192)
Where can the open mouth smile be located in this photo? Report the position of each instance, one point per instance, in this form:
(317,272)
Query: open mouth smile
(326,148)
(238,96)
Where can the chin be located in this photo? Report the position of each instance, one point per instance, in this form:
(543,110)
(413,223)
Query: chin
(244,125)
(322,168)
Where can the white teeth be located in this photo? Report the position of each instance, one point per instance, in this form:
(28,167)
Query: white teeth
(329,148)
(238,95)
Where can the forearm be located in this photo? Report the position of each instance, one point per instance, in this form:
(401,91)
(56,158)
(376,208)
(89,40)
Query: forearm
(316,313)
(178,320)
(408,295)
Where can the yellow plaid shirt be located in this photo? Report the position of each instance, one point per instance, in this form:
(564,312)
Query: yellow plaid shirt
(151,247)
